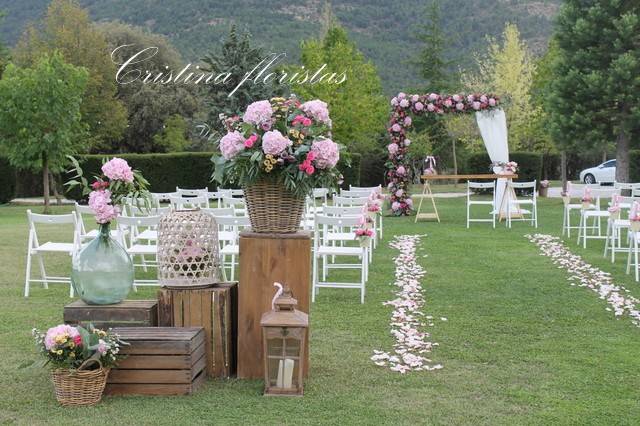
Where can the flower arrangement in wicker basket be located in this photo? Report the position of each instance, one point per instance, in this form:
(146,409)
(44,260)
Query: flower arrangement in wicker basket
(188,249)
(82,358)
(278,151)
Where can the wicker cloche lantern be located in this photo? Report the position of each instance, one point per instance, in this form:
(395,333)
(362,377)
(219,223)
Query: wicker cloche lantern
(188,249)
(284,336)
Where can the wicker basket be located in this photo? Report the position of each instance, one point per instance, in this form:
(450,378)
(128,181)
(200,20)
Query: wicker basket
(273,209)
(79,387)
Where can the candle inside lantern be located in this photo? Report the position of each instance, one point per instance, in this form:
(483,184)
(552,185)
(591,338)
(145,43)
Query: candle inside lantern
(279,380)
(288,373)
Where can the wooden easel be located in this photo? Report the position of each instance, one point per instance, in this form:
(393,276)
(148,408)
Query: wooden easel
(427,193)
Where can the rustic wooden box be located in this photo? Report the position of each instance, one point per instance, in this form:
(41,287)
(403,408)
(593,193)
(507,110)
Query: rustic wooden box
(160,361)
(129,313)
(215,309)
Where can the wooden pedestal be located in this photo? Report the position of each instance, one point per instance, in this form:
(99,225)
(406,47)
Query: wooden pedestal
(129,313)
(265,259)
(215,309)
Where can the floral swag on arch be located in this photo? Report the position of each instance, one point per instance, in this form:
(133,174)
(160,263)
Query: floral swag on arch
(404,106)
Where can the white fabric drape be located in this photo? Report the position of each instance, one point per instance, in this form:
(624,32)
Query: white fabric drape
(493,128)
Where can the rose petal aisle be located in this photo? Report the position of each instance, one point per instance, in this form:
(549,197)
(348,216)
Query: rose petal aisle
(589,276)
(411,343)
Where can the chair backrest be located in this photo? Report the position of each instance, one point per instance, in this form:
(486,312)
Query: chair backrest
(220,211)
(142,221)
(481,185)
(350,201)
(340,221)
(178,203)
(523,185)
(355,193)
(192,192)
(624,185)
(231,192)
(153,211)
(342,210)
(365,188)
(320,193)
(51,219)
(237,221)
(163,196)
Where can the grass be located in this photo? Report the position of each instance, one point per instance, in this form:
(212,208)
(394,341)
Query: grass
(520,345)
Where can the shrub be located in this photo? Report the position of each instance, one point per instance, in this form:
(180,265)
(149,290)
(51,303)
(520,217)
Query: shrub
(351,174)
(7,181)
(551,166)
(529,164)
(372,168)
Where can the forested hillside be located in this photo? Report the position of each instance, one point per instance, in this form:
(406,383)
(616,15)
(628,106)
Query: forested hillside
(386,31)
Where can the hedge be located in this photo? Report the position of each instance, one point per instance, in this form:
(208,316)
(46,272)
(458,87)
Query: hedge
(529,164)
(351,174)
(7,181)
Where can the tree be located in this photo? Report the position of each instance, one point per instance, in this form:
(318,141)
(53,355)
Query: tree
(358,106)
(149,106)
(4,52)
(40,119)
(172,138)
(508,70)
(68,29)
(596,90)
(436,70)
(238,57)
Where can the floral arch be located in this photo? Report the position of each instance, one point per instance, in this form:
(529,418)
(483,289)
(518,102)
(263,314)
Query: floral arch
(404,107)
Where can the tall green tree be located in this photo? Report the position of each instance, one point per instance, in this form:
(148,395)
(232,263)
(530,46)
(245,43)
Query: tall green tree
(68,29)
(238,56)
(4,52)
(40,119)
(359,109)
(151,106)
(596,88)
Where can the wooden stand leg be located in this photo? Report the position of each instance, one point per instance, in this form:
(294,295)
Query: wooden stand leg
(265,259)
(426,193)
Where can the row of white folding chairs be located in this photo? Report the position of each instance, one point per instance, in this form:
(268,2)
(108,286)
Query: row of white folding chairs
(596,212)
(617,227)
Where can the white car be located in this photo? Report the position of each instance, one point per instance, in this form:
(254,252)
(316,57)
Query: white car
(604,173)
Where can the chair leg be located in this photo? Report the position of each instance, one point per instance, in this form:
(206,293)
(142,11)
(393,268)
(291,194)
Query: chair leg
(580,228)
(635,251)
(325,267)
(314,279)
(45,284)
(607,240)
(629,258)
(584,234)
(363,276)
(568,223)
(535,210)
(233,267)
(28,275)
(564,220)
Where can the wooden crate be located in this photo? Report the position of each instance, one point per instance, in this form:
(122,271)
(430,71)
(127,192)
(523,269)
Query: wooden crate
(265,259)
(129,313)
(215,309)
(160,361)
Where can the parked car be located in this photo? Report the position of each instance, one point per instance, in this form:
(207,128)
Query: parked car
(604,173)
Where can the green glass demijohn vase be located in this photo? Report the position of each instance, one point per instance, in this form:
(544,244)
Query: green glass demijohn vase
(102,273)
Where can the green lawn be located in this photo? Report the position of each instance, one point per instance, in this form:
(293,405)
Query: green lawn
(520,345)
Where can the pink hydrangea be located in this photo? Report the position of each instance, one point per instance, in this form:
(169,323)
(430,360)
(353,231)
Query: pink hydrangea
(404,103)
(274,143)
(407,121)
(395,206)
(258,113)
(317,109)
(118,169)
(100,203)
(62,330)
(419,106)
(231,144)
(400,171)
(396,127)
(393,148)
(326,153)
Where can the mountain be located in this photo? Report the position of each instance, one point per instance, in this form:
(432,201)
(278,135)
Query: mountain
(384,30)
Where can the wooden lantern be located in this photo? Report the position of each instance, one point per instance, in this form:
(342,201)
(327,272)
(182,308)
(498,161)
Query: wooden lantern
(284,334)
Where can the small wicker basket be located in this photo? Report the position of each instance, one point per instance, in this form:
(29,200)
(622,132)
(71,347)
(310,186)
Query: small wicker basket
(79,387)
(272,208)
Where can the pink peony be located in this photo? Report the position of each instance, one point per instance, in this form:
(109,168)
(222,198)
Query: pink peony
(258,113)
(471,98)
(459,106)
(399,193)
(394,102)
(419,106)
(433,97)
(317,109)
(483,99)
(395,206)
(404,103)
(401,171)
(402,95)
(60,330)
(457,98)
(274,143)
(393,148)
(414,98)
(100,203)
(231,144)
(431,107)
(407,121)
(396,127)
(326,153)
(476,105)
(448,103)
(118,169)
(492,102)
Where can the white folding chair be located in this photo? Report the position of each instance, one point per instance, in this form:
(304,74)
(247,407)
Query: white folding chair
(321,193)
(616,227)
(355,193)
(187,203)
(34,248)
(238,204)
(634,237)
(135,245)
(596,212)
(231,246)
(515,205)
(366,188)
(182,192)
(471,186)
(85,235)
(163,197)
(322,250)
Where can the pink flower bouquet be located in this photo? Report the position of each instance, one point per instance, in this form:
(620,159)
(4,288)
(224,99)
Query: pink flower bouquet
(280,139)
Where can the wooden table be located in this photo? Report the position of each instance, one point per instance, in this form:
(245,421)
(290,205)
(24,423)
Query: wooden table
(426,190)
(265,259)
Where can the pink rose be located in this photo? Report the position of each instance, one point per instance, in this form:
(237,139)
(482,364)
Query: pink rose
(414,98)
(309,170)
(476,105)
(431,107)
(402,95)
(459,106)
(396,127)
(407,121)
(404,103)
(448,103)
(419,106)
(457,98)
(492,102)
(250,141)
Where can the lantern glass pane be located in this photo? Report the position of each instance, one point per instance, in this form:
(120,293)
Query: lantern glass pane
(292,348)
(275,347)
